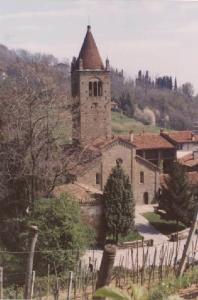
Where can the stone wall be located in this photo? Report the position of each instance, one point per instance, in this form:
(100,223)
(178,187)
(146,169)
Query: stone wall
(89,177)
(109,157)
(92,115)
(93,215)
(150,184)
(132,166)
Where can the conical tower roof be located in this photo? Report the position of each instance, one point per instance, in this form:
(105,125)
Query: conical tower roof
(89,53)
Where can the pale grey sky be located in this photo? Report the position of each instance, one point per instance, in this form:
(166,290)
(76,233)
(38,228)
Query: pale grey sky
(160,36)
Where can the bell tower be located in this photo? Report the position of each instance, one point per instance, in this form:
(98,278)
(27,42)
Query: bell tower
(91,94)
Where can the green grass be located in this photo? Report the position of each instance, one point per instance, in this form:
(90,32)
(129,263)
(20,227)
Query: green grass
(163,225)
(122,124)
(131,236)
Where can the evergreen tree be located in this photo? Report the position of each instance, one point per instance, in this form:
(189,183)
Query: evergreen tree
(176,196)
(175,85)
(118,203)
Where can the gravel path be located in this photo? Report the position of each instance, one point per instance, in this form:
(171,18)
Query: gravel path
(149,232)
(145,229)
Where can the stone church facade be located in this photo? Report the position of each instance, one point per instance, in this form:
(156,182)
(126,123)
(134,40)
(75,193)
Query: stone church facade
(92,139)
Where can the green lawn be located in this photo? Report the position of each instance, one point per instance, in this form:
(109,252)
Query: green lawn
(164,226)
(122,124)
(131,236)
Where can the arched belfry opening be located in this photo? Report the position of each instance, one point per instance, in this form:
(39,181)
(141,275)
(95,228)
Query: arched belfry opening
(95,87)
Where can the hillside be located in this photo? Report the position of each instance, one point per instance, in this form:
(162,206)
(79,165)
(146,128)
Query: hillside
(122,124)
(157,103)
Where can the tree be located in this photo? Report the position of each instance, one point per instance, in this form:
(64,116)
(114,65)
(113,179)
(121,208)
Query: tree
(187,89)
(118,203)
(175,84)
(30,118)
(62,234)
(176,195)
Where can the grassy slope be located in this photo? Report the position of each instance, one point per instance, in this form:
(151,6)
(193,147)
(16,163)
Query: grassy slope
(164,226)
(122,124)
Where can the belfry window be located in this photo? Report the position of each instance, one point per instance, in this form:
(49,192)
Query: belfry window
(99,88)
(95,88)
(90,88)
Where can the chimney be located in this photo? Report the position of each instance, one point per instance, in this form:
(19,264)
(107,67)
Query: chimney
(192,136)
(131,136)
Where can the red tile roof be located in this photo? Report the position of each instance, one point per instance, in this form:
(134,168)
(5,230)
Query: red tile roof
(79,191)
(79,160)
(89,53)
(181,136)
(150,141)
(189,160)
(191,176)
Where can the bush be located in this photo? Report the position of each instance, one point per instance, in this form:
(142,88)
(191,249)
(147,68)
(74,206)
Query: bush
(62,235)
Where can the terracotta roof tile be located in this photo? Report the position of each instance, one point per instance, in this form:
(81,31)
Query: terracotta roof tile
(191,176)
(150,141)
(189,160)
(82,159)
(89,53)
(79,191)
(181,136)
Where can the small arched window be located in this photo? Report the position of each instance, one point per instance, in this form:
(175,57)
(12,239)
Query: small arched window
(141,177)
(95,87)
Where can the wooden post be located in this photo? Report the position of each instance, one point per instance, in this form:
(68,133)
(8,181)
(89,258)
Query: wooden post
(32,286)
(56,289)
(48,274)
(69,291)
(187,245)
(106,267)
(28,280)
(1,282)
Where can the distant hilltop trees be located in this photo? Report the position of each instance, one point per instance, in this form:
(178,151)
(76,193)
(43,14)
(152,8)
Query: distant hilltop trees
(159,100)
(161,82)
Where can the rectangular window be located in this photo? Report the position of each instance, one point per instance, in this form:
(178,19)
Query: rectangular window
(98,178)
(141,177)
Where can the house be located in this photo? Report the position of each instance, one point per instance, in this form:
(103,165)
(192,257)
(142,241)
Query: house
(154,148)
(190,161)
(185,141)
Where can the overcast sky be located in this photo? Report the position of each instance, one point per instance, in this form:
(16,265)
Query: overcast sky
(160,36)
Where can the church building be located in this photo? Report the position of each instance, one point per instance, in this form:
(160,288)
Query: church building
(94,150)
